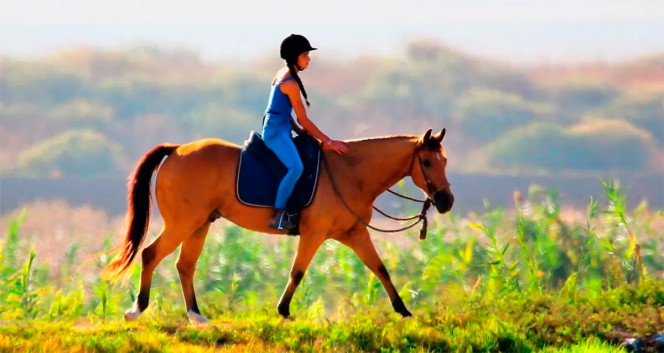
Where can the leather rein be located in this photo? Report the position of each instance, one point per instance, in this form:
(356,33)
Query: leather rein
(421,217)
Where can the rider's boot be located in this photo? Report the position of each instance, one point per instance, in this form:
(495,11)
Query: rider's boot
(280,220)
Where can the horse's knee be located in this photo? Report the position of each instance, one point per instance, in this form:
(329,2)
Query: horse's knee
(184,267)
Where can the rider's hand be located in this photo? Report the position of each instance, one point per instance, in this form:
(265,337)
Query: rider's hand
(337,146)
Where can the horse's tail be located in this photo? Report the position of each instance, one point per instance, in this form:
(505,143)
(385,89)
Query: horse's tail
(138,209)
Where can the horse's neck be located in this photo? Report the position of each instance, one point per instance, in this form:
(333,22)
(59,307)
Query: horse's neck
(377,164)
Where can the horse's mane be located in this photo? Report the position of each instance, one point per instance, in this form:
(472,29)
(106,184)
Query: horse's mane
(381,138)
(378,146)
(431,145)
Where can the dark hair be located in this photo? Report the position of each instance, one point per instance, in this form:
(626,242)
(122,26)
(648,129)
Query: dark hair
(290,50)
(293,72)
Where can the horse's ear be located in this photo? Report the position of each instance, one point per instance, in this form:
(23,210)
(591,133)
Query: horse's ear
(439,136)
(426,137)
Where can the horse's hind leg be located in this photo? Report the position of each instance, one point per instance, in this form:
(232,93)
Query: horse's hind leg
(360,242)
(186,265)
(167,241)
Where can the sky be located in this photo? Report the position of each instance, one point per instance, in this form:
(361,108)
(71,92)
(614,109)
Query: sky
(522,31)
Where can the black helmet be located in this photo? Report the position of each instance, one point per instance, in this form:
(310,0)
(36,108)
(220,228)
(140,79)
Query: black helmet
(293,46)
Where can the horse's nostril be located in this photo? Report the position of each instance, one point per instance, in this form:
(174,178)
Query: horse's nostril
(444,201)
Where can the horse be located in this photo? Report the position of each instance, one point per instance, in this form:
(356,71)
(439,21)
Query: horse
(195,185)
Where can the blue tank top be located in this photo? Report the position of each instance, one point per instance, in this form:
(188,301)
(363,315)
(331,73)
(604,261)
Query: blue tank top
(279,105)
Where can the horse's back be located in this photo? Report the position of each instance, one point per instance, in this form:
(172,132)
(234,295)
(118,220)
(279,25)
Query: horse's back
(208,147)
(196,168)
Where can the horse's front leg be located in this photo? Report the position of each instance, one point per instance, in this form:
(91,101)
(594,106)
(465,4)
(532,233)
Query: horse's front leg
(306,249)
(360,242)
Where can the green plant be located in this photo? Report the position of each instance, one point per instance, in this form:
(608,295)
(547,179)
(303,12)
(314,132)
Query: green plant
(617,210)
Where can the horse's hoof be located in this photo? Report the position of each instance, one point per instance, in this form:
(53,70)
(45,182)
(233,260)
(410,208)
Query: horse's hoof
(196,318)
(285,313)
(131,315)
(400,308)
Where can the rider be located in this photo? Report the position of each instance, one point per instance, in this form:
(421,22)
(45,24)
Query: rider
(286,96)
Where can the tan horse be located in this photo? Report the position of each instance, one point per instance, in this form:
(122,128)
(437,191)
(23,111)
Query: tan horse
(196,184)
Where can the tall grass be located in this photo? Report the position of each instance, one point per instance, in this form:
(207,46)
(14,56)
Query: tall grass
(528,252)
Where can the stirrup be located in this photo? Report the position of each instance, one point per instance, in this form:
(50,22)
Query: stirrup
(281,220)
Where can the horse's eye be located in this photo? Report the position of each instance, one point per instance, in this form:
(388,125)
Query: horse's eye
(426,163)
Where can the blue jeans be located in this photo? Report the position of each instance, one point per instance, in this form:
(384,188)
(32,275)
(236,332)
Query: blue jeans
(277,137)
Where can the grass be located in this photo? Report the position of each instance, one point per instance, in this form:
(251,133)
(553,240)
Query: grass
(509,324)
(591,345)
(529,279)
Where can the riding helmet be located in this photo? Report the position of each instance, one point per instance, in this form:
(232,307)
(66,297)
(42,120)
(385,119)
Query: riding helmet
(293,46)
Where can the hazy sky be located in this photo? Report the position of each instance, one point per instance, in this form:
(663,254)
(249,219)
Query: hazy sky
(517,30)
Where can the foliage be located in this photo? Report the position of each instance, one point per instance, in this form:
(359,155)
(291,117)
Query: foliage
(138,97)
(526,280)
(580,96)
(75,153)
(594,145)
(542,323)
(643,109)
(483,114)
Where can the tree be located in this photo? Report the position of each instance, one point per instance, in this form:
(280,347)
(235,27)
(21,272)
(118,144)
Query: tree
(536,146)
(484,115)
(643,109)
(74,153)
(610,144)
(596,145)
(579,97)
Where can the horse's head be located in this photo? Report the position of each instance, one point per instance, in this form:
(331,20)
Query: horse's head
(428,170)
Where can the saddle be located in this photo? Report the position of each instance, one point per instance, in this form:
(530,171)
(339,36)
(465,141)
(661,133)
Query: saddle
(260,172)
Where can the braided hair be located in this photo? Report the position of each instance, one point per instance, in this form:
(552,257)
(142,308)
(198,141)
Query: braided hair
(291,68)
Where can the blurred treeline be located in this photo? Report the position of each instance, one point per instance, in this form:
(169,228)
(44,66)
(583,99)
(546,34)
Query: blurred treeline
(87,112)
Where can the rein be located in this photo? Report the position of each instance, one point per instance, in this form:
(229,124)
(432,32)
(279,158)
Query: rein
(421,217)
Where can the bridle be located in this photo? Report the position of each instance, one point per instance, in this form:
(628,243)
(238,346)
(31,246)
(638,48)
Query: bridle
(431,189)
(421,217)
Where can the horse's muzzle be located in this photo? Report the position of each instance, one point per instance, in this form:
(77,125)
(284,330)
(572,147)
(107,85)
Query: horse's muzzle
(443,201)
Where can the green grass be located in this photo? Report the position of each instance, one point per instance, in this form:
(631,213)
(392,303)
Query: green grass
(508,324)
(591,345)
(526,279)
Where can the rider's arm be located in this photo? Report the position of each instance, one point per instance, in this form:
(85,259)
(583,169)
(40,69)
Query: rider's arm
(296,126)
(292,90)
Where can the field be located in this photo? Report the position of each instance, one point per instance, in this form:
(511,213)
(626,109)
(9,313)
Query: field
(532,278)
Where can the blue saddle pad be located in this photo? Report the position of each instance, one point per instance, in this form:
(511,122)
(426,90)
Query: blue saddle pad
(260,171)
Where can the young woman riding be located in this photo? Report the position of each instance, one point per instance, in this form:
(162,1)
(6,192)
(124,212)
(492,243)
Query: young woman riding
(286,96)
